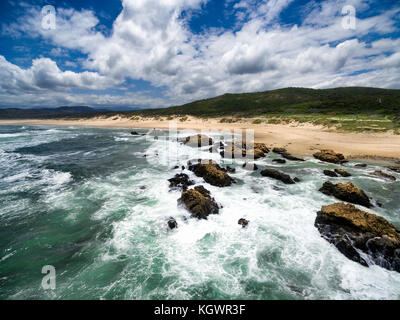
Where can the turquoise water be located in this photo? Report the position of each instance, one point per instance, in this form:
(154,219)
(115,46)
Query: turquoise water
(88,202)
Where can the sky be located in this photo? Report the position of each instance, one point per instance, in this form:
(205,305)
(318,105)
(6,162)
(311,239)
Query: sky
(122,54)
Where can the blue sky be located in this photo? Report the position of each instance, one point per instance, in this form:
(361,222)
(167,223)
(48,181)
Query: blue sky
(156,53)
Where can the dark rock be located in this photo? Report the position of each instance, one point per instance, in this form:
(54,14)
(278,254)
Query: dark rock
(142,188)
(354,231)
(134,133)
(330,173)
(250,166)
(230,170)
(176,167)
(262,147)
(288,156)
(181,181)
(394,168)
(275,174)
(212,173)
(279,150)
(346,192)
(236,151)
(243,222)
(383,175)
(329,156)
(198,140)
(280,161)
(183,167)
(342,172)
(199,202)
(296,179)
(361,165)
(172,224)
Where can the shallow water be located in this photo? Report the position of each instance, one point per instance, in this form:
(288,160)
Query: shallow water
(89,203)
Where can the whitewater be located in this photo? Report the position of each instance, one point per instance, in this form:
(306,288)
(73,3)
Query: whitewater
(95,202)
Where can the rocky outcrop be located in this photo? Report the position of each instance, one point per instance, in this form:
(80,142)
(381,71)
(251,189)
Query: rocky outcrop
(330,173)
(172,224)
(262,147)
(356,233)
(181,181)
(198,141)
(212,173)
(243,222)
(275,174)
(342,172)
(280,161)
(329,156)
(382,174)
(346,192)
(199,202)
(279,150)
(237,150)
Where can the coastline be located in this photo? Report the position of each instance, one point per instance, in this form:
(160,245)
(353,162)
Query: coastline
(300,139)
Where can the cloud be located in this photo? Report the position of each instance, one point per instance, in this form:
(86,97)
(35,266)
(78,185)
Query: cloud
(151,41)
(44,75)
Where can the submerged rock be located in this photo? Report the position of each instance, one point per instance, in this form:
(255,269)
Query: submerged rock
(342,172)
(288,156)
(198,141)
(243,222)
(199,202)
(230,170)
(275,174)
(330,173)
(280,161)
(394,168)
(353,231)
(383,175)
(346,192)
(329,156)
(212,173)
(181,181)
(361,165)
(134,133)
(250,166)
(172,224)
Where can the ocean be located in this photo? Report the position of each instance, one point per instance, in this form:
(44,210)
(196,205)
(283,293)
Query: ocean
(94,203)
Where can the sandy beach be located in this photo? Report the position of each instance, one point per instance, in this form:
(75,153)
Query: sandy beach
(301,139)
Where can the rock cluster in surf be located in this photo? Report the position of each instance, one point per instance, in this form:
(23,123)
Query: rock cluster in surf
(362,237)
(353,232)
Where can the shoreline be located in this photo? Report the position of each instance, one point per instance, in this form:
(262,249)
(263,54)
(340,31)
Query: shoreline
(300,139)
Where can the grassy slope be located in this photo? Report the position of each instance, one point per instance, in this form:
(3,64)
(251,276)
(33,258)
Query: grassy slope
(351,108)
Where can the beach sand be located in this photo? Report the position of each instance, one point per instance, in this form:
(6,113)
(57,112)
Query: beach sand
(300,139)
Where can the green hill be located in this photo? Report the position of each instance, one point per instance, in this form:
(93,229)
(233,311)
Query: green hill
(350,108)
(351,100)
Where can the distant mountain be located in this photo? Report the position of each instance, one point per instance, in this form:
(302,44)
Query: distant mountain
(14,113)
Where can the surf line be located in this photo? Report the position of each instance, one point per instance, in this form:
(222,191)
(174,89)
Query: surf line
(165,310)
